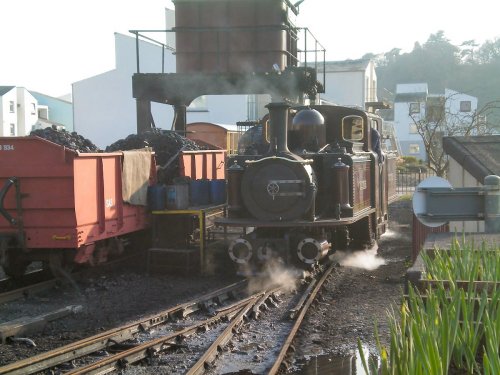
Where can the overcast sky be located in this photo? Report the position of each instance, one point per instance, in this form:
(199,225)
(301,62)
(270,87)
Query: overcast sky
(48,44)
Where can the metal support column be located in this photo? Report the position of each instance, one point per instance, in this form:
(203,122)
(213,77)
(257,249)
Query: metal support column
(143,116)
(180,118)
(492,204)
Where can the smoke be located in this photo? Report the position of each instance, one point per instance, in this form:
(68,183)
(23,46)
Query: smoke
(390,234)
(274,274)
(366,259)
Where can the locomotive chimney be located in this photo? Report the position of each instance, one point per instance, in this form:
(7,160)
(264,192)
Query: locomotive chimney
(278,121)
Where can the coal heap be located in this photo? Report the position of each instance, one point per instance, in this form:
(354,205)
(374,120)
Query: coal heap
(71,140)
(166,145)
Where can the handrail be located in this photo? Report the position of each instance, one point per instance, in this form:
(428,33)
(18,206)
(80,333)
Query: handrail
(11,181)
(318,47)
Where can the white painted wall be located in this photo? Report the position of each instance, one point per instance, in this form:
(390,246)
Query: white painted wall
(103,107)
(27,111)
(221,109)
(411,88)
(350,88)
(7,117)
(453,105)
(105,111)
(402,122)
(344,88)
(459,177)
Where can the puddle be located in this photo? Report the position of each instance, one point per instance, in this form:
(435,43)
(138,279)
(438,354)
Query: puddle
(337,365)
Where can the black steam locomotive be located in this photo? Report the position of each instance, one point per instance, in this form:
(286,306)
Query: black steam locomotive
(323,184)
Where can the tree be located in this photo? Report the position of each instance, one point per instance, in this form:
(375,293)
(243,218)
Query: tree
(489,51)
(442,117)
(468,48)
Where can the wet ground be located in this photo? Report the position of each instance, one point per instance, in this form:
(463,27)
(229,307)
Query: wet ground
(356,299)
(353,301)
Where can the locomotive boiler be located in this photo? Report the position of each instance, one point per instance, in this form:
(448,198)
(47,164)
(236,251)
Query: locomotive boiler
(322,185)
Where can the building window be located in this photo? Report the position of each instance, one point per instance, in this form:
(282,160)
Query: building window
(465,106)
(33,108)
(414,108)
(12,107)
(13,129)
(414,148)
(413,129)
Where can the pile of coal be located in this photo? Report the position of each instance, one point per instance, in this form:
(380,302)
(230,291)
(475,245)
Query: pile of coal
(71,140)
(166,145)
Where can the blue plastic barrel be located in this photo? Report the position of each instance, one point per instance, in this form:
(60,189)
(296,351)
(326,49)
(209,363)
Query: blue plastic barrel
(218,191)
(199,192)
(157,197)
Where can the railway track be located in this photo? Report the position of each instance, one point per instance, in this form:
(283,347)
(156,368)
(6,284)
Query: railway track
(118,335)
(148,338)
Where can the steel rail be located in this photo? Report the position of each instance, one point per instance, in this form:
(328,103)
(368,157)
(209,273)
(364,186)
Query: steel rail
(25,291)
(211,353)
(277,364)
(117,335)
(148,349)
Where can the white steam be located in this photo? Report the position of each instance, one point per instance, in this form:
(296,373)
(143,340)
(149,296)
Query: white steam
(366,259)
(274,274)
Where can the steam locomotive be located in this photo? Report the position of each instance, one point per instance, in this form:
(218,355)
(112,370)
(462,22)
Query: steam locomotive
(322,185)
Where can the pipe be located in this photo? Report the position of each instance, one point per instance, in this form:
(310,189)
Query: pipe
(278,123)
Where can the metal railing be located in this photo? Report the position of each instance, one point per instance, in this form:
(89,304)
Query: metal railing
(307,56)
(406,182)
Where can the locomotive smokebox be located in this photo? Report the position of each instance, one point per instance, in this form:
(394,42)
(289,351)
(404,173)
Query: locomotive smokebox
(278,120)
(340,183)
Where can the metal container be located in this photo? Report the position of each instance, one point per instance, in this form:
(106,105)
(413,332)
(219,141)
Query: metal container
(177,197)
(199,192)
(157,197)
(205,164)
(218,191)
(340,183)
(220,36)
(69,199)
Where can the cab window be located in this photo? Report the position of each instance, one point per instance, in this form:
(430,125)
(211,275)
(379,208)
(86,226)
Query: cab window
(352,128)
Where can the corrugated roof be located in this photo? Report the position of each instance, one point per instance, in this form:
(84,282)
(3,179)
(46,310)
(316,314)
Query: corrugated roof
(410,97)
(480,156)
(345,65)
(5,89)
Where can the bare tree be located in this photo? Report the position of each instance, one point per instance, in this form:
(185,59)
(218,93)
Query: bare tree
(442,118)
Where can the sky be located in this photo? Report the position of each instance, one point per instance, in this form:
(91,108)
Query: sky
(46,45)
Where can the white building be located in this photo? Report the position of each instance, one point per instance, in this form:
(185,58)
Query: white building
(350,82)
(18,111)
(413,103)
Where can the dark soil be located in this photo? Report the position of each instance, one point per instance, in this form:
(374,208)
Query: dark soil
(353,301)
(356,299)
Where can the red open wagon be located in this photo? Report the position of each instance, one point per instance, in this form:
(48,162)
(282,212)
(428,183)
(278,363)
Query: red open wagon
(56,202)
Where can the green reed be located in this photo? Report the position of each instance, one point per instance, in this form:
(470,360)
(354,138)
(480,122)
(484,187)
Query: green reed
(447,328)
